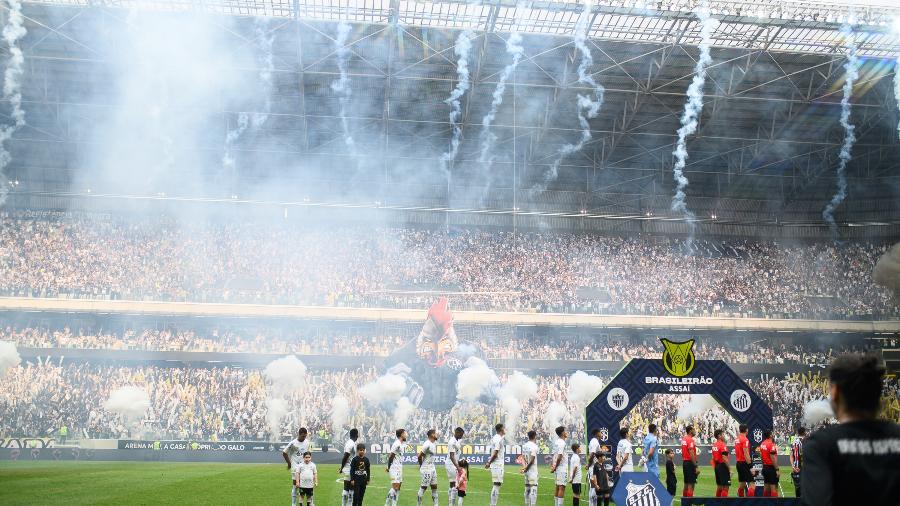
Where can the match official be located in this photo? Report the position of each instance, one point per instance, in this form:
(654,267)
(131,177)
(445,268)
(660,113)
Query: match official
(858,460)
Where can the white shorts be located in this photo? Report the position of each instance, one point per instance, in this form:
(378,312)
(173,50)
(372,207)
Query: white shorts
(497,474)
(562,476)
(531,479)
(451,473)
(429,477)
(346,472)
(396,473)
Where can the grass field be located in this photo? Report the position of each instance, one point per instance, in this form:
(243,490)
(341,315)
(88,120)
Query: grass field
(139,483)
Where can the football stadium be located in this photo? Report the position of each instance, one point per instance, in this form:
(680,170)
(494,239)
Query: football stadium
(450,252)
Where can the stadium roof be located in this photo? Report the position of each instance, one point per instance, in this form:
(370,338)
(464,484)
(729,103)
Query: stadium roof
(764,154)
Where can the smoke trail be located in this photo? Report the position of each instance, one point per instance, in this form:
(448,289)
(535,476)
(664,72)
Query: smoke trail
(9,357)
(462,48)
(256,119)
(12,93)
(487,138)
(583,388)
(695,406)
(513,394)
(557,414)
(852,71)
(284,376)
(692,109)
(588,108)
(341,86)
(897,91)
(130,402)
(816,412)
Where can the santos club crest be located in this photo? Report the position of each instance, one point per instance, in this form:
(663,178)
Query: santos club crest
(640,495)
(678,357)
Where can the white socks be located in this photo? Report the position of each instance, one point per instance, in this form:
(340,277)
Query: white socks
(434,497)
(349,498)
(559,501)
(293,496)
(592,497)
(345,496)
(531,496)
(495,495)
(453,496)
(419,496)
(392,497)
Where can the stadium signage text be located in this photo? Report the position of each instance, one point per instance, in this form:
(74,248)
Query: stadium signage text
(678,384)
(227,446)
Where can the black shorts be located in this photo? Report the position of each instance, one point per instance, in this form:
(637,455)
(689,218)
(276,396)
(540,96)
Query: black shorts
(347,486)
(690,472)
(723,476)
(770,477)
(305,492)
(576,488)
(461,493)
(745,475)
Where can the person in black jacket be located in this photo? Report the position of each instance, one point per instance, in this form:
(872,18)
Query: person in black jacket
(671,479)
(858,460)
(359,474)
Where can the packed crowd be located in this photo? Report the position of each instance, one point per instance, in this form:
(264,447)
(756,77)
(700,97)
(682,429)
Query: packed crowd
(222,403)
(106,258)
(298,342)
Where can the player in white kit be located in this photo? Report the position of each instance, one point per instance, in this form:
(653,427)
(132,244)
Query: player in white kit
(395,467)
(575,473)
(293,455)
(593,448)
(497,461)
(349,452)
(530,468)
(451,464)
(426,467)
(560,466)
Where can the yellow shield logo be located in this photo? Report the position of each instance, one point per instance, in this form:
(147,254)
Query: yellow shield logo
(678,358)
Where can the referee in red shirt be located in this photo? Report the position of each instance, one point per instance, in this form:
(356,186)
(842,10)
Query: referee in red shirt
(743,462)
(689,461)
(768,451)
(720,464)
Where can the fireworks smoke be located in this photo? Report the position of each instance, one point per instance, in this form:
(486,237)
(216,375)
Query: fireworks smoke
(475,380)
(9,357)
(692,109)
(887,270)
(130,402)
(513,48)
(897,91)
(583,388)
(341,86)
(816,412)
(12,93)
(462,48)
(852,71)
(696,405)
(340,413)
(402,411)
(557,414)
(284,376)
(517,390)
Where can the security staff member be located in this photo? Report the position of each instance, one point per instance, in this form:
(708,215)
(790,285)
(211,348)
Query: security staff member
(858,460)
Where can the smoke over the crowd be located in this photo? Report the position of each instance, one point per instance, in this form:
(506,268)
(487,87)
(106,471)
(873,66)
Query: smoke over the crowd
(816,412)
(384,389)
(462,48)
(487,138)
(514,393)
(13,32)
(341,86)
(692,109)
(402,411)
(887,270)
(696,405)
(284,376)
(340,414)
(9,356)
(852,73)
(557,414)
(588,108)
(475,380)
(897,91)
(131,402)
(583,388)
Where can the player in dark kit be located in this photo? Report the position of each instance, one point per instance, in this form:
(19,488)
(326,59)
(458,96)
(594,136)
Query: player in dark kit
(743,462)
(858,460)
(360,473)
(720,464)
(689,461)
(797,458)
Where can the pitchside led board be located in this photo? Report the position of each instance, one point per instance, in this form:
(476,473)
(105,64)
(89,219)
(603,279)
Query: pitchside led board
(678,372)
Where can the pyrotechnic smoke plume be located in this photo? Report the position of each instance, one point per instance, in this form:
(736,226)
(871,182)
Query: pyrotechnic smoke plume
(387,391)
(341,86)
(695,406)
(475,380)
(816,412)
(692,109)
(340,413)
(588,108)
(462,48)
(583,388)
(887,270)
(852,73)
(131,402)
(13,32)
(9,357)
(557,414)
(897,91)
(402,411)
(284,376)
(517,390)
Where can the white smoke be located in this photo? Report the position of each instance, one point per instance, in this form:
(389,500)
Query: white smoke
(257,119)
(130,402)
(13,32)
(695,406)
(517,390)
(341,86)
(897,90)
(887,270)
(852,73)
(692,109)
(557,414)
(384,390)
(402,411)
(340,413)
(816,412)
(462,48)
(475,380)
(588,108)
(9,357)
(487,137)
(284,376)
(583,388)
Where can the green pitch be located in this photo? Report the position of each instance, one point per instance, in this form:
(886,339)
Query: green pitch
(140,483)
